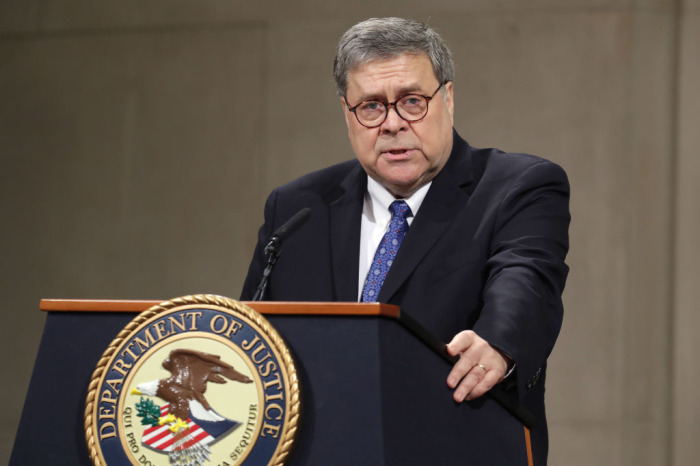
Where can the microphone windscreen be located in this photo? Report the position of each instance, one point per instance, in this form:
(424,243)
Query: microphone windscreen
(291,225)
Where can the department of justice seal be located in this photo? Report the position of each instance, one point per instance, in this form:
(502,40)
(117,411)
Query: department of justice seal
(196,380)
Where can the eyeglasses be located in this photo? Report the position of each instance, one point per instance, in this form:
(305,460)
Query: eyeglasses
(411,107)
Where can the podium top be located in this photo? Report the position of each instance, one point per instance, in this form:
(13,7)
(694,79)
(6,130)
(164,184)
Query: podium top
(263,307)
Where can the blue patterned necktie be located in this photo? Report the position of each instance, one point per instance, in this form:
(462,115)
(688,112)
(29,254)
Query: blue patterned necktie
(386,251)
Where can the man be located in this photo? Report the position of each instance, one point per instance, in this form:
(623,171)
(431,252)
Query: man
(473,248)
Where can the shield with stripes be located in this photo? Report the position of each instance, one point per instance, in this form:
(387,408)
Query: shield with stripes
(170,436)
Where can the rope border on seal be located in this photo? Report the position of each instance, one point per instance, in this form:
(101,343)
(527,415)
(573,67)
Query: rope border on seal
(290,372)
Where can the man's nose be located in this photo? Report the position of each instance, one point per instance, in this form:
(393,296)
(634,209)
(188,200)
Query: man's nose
(393,122)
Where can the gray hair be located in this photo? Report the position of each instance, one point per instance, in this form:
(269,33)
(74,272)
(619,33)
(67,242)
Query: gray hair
(387,38)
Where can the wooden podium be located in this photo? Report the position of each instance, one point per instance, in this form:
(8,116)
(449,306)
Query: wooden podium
(372,392)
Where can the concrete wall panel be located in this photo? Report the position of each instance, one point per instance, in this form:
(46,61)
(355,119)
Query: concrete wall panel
(131,162)
(304,116)
(686,407)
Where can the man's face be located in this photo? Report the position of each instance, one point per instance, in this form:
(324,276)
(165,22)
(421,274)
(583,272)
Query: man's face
(402,156)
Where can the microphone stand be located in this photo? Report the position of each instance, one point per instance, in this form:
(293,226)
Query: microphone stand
(272,251)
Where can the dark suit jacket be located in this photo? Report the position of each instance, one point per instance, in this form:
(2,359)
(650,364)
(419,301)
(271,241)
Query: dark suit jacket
(485,252)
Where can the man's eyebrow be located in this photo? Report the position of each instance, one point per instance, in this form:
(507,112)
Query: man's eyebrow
(402,91)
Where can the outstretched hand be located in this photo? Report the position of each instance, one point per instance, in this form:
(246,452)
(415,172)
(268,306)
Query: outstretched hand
(479,368)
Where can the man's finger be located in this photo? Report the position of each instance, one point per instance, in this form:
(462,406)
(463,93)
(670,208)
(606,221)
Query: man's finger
(466,386)
(490,379)
(462,367)
(461,342)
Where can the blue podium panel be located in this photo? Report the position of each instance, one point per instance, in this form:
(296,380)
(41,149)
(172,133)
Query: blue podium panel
(372,394)
(422,423)
(339,361)
(51,428)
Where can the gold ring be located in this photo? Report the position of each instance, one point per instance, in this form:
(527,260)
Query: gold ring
(482,366)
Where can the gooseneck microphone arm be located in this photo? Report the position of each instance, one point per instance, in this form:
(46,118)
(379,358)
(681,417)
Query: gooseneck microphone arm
(274,246)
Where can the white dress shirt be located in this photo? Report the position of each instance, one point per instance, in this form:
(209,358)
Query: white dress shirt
(376,218)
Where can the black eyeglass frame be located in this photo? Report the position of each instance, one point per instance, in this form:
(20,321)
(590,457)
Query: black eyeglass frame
(393,104)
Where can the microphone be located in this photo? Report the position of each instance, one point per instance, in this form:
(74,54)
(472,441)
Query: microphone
(272,250)
(292,225)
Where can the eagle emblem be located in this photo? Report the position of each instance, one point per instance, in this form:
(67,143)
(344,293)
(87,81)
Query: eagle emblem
(186,424)
(197,380)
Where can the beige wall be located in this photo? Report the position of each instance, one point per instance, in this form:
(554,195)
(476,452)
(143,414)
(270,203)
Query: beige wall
(139,140)
(686,268)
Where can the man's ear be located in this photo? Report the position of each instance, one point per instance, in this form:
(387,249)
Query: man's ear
(449,99)
(344,107)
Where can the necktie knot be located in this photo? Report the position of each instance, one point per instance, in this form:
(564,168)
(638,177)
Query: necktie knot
(400,210)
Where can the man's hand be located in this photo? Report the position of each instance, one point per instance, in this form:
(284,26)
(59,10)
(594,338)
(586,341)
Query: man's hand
(479,368)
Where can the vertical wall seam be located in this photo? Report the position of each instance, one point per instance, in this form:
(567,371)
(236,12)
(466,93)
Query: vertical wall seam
(676,39)
(264,123)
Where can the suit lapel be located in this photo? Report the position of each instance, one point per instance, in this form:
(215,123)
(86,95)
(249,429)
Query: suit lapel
(345,224)
(447,196)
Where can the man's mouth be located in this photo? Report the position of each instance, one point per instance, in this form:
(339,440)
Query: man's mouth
(396,152)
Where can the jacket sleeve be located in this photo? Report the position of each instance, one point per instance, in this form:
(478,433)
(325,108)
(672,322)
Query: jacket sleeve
(525,272)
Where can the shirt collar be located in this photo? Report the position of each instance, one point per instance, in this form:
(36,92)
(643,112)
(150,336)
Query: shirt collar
(380,200)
